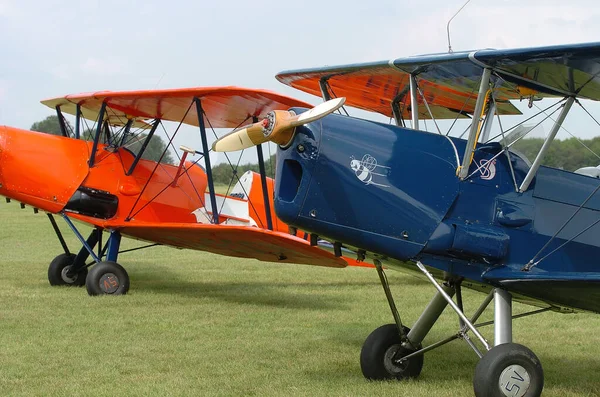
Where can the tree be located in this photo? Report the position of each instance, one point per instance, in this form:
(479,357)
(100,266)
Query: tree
(50,125)
(568,154)
(223,173)
(154,150)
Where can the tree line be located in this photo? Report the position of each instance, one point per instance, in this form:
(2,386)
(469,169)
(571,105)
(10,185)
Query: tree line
(568,154)
(153,151)
(222,173)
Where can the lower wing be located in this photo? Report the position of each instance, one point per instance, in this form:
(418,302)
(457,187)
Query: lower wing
(238,241)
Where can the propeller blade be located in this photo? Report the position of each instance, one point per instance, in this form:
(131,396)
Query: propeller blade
(319,111)
(241,138)
(277,127)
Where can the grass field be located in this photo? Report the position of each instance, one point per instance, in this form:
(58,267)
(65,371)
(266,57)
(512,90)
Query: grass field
(200,324)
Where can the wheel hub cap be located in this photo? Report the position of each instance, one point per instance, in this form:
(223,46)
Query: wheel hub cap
(64,274)
(514,381)
(109,283)
(390,358)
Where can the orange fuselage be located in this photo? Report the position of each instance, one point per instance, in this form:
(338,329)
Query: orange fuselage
(45,171)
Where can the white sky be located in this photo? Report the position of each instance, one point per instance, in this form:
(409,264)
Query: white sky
(53,48)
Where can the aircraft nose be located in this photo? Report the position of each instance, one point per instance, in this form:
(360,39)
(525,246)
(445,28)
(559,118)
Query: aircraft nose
(40,170)
(294,171)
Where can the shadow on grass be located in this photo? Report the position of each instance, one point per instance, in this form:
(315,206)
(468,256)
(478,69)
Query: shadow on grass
(299,295)
(455,361)
(289,294)
(256,293)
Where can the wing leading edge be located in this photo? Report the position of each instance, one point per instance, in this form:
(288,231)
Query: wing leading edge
(224,107)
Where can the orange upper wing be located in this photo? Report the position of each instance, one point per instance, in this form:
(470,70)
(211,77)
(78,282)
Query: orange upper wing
(224,107)
(238,241)
(374,86)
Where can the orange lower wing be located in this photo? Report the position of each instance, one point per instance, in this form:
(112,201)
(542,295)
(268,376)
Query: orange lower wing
(238,241)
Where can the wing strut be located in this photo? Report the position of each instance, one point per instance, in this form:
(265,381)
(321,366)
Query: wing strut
(211,185)
(414,104)
(126,132)
(143,148)
(396,112)
(97,136)
(263,181)
(324,91)
(77,120)
(463,170)
(538,160)
(61,122)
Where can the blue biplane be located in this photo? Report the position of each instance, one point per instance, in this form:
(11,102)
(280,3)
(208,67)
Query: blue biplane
(468,212)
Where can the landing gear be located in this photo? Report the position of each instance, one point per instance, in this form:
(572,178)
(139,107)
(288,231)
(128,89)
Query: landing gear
(63,271)
(107,278)
(509,369)
(394,351)
(381,354)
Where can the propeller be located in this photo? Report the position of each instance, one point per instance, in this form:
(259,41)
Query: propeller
(278,127)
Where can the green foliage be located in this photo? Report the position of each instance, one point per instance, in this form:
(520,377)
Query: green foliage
(50,125)
(223,173)
(568,154)
(153,151)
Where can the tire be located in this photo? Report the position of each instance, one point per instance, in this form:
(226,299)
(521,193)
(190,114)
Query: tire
(509,369)
(107,278)
(378,350)
(58,271)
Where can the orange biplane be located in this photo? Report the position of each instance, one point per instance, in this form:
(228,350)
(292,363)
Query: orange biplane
(102,183)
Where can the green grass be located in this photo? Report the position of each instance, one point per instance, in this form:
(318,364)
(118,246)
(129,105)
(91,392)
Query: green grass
(221,188)
(201,324)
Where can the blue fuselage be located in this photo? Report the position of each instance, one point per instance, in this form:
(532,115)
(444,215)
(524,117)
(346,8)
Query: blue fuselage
(394,193)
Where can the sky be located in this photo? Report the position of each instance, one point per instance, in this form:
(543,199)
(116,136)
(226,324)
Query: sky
(57,47)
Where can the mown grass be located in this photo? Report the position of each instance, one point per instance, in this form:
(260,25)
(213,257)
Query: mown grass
(221,188)
(202,324)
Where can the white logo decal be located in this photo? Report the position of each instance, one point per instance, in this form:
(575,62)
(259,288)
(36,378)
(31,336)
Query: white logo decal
(365,170)
(487,169)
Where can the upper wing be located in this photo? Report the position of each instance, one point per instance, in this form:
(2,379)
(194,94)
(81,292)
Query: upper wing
(224,107)
(238,241)
(450,81)
(374,86)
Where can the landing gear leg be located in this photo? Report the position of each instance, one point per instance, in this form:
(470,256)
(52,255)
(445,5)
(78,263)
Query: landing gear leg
(508,369)
(382,354)
(70,269)
(394,351)
(106,277)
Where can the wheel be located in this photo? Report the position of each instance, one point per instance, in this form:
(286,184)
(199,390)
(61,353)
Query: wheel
(59,271)
(511,370)
(380,350)
(107,278)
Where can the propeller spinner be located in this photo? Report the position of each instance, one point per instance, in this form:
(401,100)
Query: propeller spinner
(278,127)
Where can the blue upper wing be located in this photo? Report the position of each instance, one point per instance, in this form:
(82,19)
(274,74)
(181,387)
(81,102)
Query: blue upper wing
(449,81)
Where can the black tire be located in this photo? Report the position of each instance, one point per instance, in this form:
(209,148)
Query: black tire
(107,278)
(509,368)
(58,271)
(378,350)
